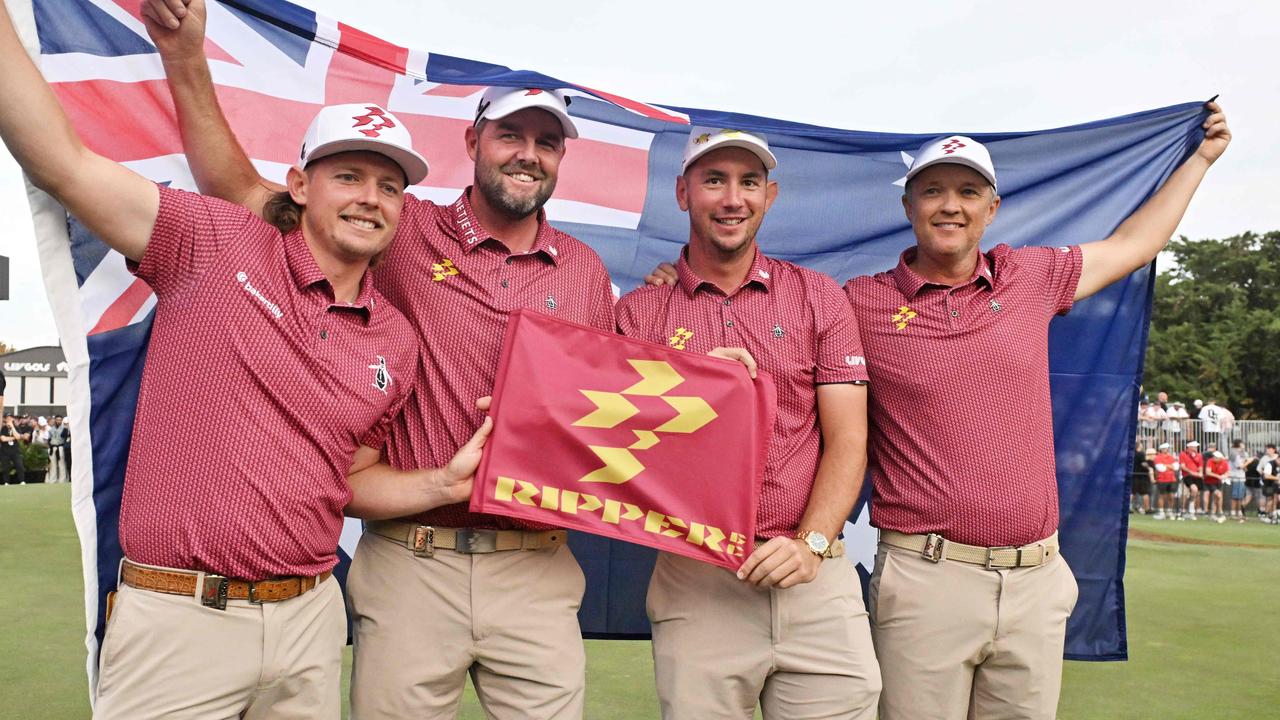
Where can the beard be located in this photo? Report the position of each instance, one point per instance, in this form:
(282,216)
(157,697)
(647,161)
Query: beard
(489,180)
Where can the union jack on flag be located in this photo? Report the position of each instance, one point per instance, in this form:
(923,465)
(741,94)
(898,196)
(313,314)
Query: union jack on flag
(275,64)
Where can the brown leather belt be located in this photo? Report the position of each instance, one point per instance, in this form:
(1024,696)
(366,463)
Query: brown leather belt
(424,540)
(935,548)
(216,590)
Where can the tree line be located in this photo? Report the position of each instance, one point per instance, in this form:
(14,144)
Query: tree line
(1215,324)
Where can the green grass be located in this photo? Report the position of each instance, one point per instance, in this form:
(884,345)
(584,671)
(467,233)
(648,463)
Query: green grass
(1202,627)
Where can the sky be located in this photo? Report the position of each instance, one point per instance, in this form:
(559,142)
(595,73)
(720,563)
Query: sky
(889,67)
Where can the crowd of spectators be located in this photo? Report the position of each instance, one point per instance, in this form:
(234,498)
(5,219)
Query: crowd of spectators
(26,442)
(1183,468)
(1163,420)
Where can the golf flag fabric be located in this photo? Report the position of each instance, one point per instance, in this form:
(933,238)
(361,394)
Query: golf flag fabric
(275,64)
(626,439)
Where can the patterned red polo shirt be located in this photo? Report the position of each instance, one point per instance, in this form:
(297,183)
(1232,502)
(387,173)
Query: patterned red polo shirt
(258,389)
(797,325)
(961,421)
(457,284)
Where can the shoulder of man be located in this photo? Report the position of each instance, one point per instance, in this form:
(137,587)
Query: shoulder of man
(568,248)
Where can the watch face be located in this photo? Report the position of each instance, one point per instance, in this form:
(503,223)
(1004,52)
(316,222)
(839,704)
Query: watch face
(816,542)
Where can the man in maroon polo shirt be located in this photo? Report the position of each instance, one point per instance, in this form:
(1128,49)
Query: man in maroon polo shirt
(226,606)
(435,596)
(960,626)
(789,630)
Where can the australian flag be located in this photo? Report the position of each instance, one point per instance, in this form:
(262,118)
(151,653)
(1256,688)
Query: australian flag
(275,64)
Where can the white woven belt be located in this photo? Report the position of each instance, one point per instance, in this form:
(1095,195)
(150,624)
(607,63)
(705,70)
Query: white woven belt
(935,548)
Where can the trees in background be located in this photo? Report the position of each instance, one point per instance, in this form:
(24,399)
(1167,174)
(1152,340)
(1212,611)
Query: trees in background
(1215,325)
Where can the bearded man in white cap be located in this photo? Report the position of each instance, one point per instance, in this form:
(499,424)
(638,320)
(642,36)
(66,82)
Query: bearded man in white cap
(435,596)
(970,597)
(227,606)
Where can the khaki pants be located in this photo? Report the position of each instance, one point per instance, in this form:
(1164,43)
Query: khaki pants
(957,640)
(421,624)
(168,656)
(720,645)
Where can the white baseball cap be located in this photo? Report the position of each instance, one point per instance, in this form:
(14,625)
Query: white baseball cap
(1218,454)
(1193,442)
(499,102)
(956,149)
(1162,446)
(703,140)
(362,126)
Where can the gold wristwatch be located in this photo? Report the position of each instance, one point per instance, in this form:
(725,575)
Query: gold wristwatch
(817,543)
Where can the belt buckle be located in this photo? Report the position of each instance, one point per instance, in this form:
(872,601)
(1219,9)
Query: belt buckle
(253,594)
(934,548)
(424,541)
(472,541)
(991,556)
(213,593)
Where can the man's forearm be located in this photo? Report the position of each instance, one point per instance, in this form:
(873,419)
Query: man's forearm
(218,163)
(380,492)
(836,486)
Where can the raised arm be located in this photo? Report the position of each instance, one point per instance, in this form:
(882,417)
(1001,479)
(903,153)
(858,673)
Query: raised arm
(116,204)
(218,163)
(1146,232)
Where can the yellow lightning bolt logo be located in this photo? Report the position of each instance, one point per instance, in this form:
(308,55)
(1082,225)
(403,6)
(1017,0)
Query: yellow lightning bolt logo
(680,337)
(903,317)
(443,269)
(613,408)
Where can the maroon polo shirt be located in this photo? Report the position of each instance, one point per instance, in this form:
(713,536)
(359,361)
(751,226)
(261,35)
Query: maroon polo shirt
(258,389)
(797,325)
(961,422)
(457,284)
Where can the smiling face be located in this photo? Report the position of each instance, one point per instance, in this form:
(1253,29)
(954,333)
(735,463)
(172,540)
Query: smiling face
(517,161)
(726,193)
(950,207)
(351,204)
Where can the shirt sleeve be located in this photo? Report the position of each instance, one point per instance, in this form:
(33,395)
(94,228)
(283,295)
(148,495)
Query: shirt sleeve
(1058,269)
(602,311)
(631,316)
(190,231)
(840,358)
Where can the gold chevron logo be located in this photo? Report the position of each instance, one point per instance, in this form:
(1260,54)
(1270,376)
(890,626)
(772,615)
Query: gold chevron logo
(613,408)
(903,316)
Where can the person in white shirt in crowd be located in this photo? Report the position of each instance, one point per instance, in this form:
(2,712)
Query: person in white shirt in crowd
(40,434)
(1237,458)
(1150,417)
(1174,415)
(1213,417)
(59,451)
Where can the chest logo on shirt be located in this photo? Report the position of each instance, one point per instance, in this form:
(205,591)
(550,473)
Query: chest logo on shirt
(381,377)
(778,332)
(902,317)
(681,337)
(612,409)
(443,269)
(996,307)
(551,302)
(243,278)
